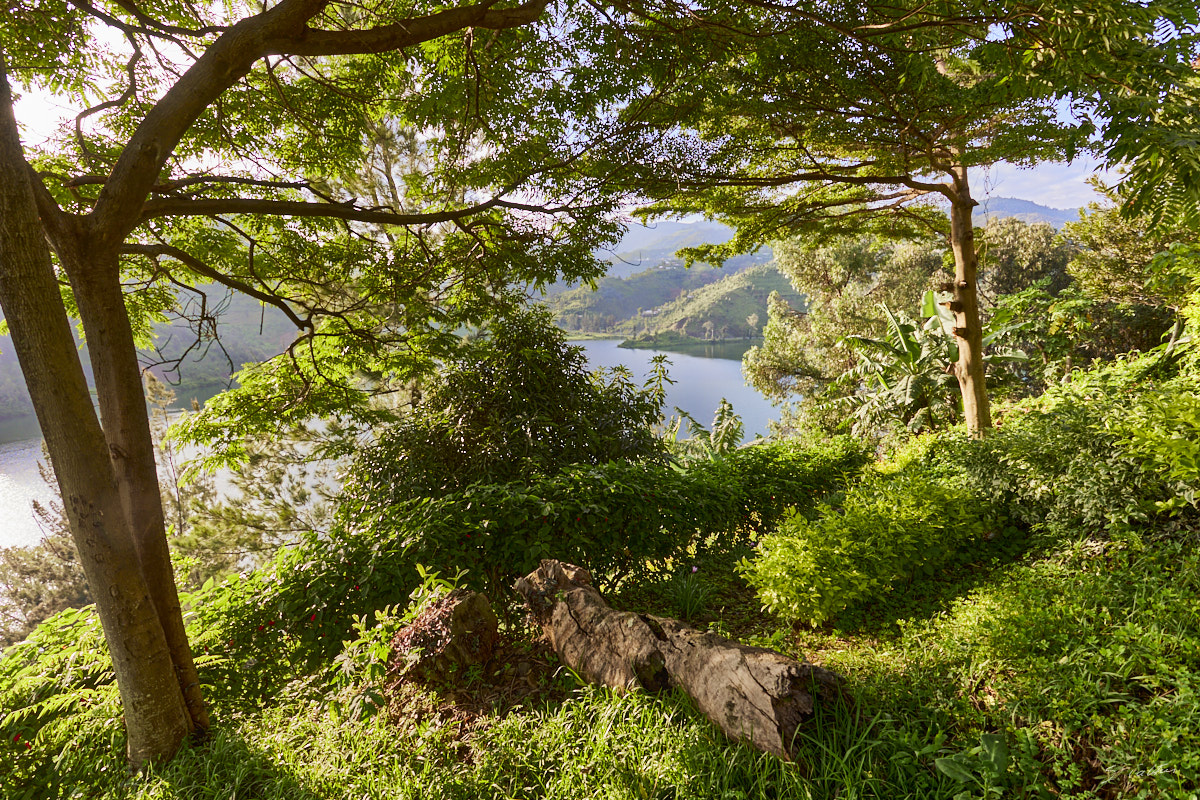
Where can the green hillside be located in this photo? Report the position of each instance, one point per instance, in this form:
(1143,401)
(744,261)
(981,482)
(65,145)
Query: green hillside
(619,299)
(674,304)
(721,310)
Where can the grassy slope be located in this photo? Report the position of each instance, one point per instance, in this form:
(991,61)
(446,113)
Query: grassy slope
(727,304)
(682,301)
(1049,664)
(1029,645)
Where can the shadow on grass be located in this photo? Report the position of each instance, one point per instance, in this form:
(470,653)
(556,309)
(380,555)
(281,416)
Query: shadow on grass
(225,766)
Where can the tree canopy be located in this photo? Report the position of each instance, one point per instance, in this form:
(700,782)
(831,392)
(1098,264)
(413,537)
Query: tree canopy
(385,175)
(857,115)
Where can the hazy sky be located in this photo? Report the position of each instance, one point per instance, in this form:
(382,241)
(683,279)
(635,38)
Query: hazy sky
(1051,184)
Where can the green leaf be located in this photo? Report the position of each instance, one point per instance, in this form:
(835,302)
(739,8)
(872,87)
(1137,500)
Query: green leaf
(954,769)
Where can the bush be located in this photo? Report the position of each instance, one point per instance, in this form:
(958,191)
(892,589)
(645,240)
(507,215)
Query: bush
(1089,454)
(889,528)
(614,519)
(517,401)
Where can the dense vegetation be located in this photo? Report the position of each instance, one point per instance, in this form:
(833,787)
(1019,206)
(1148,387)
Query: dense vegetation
(982,510)
(1016,616)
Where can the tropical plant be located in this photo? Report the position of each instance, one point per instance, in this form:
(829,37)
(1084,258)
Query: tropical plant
(903,378)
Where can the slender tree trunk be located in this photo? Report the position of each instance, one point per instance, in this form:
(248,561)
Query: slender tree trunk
(95,277)
(156,719)
(968,328)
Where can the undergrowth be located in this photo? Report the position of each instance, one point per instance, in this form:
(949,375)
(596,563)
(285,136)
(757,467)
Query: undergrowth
(1051,650)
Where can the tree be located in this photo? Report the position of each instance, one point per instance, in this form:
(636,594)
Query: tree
(846,282)
(199,161)
(852,115)
(516,401)
(1015,255)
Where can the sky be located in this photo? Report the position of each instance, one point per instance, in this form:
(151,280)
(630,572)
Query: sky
(1050,184)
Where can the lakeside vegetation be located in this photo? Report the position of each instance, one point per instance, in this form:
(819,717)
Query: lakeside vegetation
(1017,616)
(981,508)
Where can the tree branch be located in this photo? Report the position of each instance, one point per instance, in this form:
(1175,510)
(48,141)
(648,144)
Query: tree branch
(280,29)
(199,267)
(406,34)
(190,207)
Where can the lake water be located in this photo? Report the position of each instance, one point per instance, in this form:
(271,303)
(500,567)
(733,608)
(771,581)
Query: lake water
(701,378)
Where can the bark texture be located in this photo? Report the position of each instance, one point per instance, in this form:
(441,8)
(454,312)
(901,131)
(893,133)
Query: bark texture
(155,717)
(126,425)
(968,327)
(754,695)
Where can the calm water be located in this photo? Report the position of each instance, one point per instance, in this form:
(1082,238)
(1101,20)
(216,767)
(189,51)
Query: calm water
(701,380)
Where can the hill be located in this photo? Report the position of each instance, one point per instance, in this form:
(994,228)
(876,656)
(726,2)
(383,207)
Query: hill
(721,310)
(616,300)
(1024,210)
(246,333)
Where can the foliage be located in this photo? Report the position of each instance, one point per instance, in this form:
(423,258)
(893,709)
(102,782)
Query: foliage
(614,519)
(517,401)
(1073,329)
(1163,431)
(721,438)
(1113,262)
(58,694)
(1014,255)
(888,528)
(844,282)
(39,581)
(1061,460)
(904,379)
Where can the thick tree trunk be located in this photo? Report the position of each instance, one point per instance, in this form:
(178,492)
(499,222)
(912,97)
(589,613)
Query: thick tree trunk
(95,278)
(968,327)
(156,719)
(754,695)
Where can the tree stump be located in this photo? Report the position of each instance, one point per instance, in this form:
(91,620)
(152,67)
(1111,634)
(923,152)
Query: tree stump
(455,633)
(752,694)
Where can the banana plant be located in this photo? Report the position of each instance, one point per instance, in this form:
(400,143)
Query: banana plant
(904,378)
(907,377)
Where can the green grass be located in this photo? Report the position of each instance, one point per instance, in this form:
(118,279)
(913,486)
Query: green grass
(1065,669)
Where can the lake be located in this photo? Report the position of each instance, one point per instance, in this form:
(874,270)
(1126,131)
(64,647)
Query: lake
(702,377)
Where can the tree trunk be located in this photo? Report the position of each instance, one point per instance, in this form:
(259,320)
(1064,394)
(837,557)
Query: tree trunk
(156,719)
(968,328)
(754,695)
(95,278)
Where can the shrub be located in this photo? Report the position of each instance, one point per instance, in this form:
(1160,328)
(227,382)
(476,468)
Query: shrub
(614,519)
(888,528)
(517,401)
(1084,454)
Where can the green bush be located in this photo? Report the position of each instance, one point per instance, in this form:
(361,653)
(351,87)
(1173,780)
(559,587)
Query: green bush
(615,519)
(514,402)
(889,528)
(1101,450)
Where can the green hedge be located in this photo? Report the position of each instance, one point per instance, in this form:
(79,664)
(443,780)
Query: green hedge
(888,528)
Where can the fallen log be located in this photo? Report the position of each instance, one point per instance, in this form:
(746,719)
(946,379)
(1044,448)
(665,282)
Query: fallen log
(752,694)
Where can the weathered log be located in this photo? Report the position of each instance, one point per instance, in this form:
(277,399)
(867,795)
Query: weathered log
(753,694)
